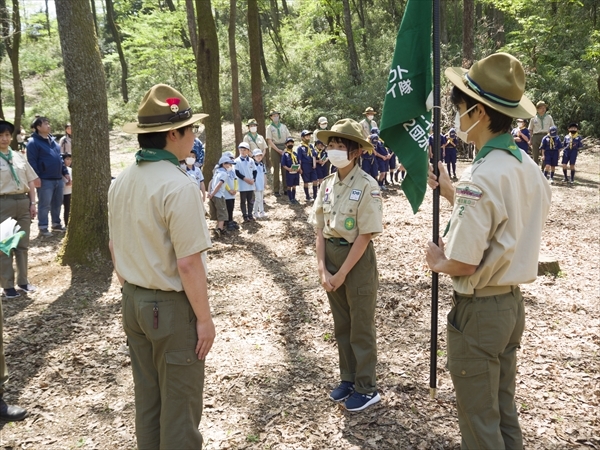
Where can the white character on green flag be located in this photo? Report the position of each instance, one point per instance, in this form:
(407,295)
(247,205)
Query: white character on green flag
(406,117)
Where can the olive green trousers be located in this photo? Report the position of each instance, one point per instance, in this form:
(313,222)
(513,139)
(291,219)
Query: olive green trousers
(353,309)
(3,368)
(483,337)
(167,375)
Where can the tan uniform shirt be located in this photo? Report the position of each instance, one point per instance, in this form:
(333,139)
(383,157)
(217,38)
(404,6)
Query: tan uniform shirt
(156,217)
(24,171)
(367,125)
(278,137)
(541,124)
(500,208)
(348,208)
(257,142)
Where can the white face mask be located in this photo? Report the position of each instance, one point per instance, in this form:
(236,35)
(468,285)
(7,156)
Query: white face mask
(229,169)
(339,158)
(463,135)
(190,161)
(275,119)
(370,117)
(253,129)
(323,126)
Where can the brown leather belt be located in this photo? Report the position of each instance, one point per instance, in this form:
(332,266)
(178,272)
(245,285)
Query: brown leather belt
(489,291)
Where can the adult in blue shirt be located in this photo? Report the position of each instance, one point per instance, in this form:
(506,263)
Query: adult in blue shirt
(43,154)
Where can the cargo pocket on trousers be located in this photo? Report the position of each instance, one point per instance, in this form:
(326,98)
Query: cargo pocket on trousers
(185,373)
(456,342)
(471,381)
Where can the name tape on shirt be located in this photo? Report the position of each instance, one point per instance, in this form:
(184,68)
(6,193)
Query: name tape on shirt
(468,194)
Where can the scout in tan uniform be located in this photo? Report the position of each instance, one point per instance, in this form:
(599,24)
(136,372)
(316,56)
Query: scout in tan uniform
(500,206)
(17,200)
(157,236)
(347,215)
(368,122)
(253,139)
(539,127)
(277,134)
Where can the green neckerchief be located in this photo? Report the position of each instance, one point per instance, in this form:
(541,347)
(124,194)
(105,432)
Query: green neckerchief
(503,142)
(252,137)
(277,128)
(155,154)
(542,119)
(9,160)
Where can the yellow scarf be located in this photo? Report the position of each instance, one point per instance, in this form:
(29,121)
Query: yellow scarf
(573,136)
(551,141)
(294,159)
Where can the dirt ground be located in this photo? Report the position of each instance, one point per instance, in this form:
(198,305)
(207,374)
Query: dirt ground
(274,359)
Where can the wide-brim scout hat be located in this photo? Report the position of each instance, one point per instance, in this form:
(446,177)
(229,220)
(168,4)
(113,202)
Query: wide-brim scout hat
(498,82)
(321,120)
(369,110)
(347,129)
(9,125)
(162,109)
(541,103)
(273,111)
(252,122)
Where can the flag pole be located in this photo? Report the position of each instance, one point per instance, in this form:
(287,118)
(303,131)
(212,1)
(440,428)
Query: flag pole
(436,195)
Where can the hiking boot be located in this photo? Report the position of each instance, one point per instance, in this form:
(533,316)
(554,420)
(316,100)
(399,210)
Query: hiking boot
(59,228)
(342,392)
(44,232)
(358,401)
(11,293)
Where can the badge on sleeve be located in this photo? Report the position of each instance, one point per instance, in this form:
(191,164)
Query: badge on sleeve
(327,192)
(468,194)
(349,223)
(355,195)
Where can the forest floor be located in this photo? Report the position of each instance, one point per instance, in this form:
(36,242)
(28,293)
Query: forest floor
(274,359)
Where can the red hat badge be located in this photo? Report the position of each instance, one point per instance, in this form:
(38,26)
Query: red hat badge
(174,104)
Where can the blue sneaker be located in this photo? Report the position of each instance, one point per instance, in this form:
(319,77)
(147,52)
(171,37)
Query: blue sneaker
(358,401)
(10,293)
(342,392)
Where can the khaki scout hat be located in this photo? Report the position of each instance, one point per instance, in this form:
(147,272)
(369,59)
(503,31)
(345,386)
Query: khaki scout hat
(162,109)
(252,122)
(497,81)
(347,129)
(273,111)
(322,119)
(369,110)
(541,103)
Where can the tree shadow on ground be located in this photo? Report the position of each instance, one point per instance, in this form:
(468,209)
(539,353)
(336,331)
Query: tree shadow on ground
(34,335)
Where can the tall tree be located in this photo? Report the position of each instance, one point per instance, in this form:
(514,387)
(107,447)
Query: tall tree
(11,36)
(468,33)
(95,16)
(191,21)
(207,71)
(47,18)
(235,89)
(255,78)
(87,238)
(352,55)
(110,19)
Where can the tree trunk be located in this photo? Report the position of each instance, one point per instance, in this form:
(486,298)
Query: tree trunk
(284,6)
(235,89)
(11,36)
(95,16)
(263,60)
(499,36)
(186,41)
(47,19)
(468,39)
(353,56)
(86,242)
(191,21)
(110,19)
(255,78)
(207,70)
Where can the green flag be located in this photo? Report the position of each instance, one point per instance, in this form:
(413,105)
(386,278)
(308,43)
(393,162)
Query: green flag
(406,118)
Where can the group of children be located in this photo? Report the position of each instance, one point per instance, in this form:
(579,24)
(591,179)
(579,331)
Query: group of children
(552,145)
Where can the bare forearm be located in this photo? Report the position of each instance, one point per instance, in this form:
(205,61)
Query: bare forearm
(193,277)
(31,185)
(320,251)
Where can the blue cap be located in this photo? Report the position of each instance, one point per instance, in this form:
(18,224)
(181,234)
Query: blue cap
(226,160)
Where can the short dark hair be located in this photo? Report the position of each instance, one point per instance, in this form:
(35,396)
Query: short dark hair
(499,123)
(156,140)
(6,126)
(38,121)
